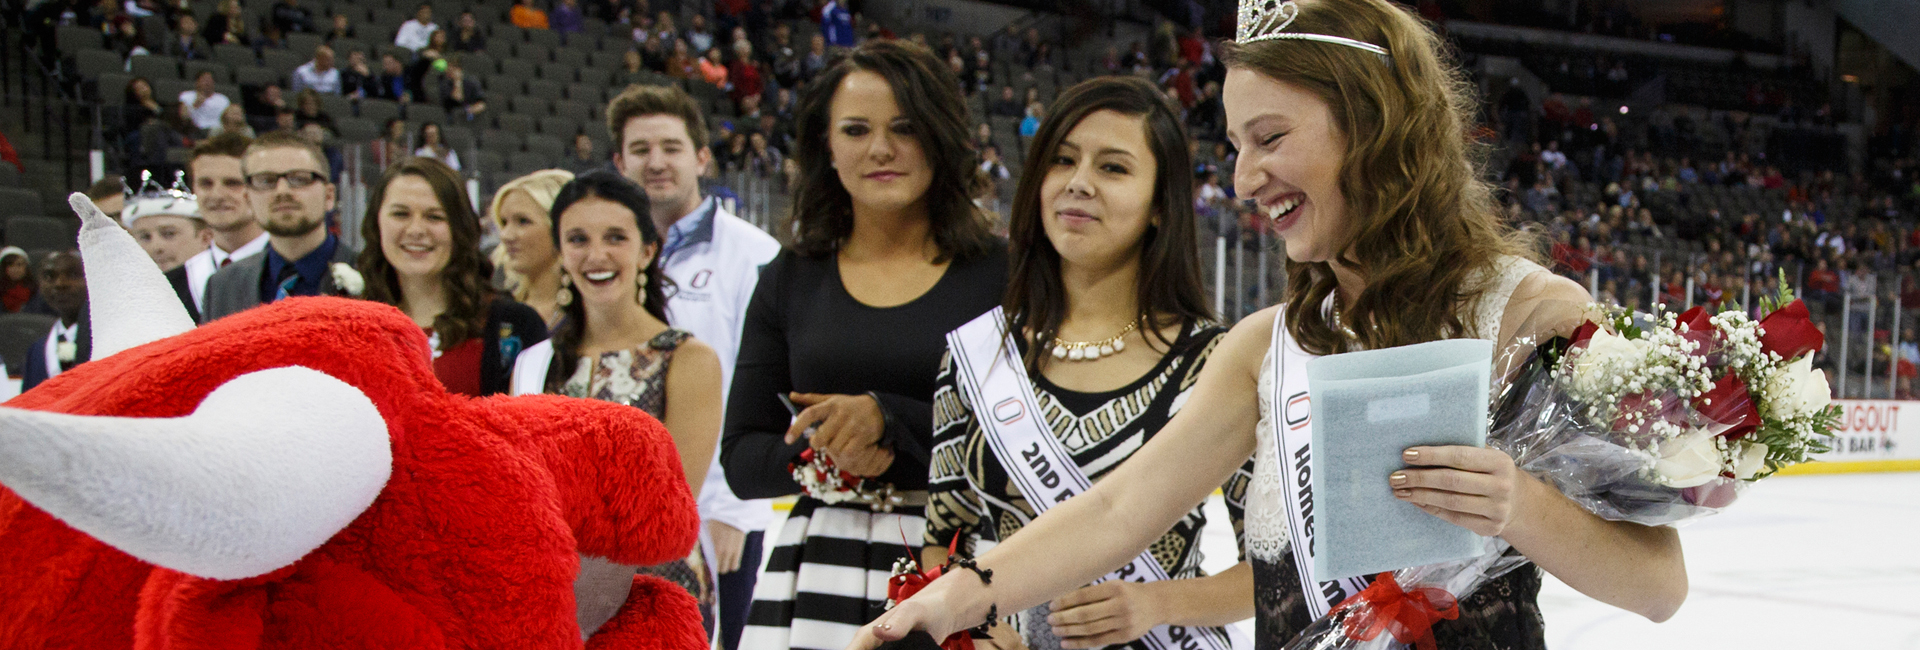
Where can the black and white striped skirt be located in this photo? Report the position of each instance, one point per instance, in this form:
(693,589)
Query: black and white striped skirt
(827,574)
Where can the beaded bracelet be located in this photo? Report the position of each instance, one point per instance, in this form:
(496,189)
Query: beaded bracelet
(986,579)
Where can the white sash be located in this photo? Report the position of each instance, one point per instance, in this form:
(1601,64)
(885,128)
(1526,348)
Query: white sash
(1293,431)
(995,381)
(530,369)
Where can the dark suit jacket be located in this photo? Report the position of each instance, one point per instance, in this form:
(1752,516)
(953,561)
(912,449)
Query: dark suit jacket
(36,370)
(237,288)
(178,278)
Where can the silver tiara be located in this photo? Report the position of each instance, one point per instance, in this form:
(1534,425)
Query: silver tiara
(1266,20)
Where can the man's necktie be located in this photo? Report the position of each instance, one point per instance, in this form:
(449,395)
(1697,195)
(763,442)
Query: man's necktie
(289,278)
(225,262)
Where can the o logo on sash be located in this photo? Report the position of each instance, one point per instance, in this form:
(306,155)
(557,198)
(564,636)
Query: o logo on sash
(1299,399)
(1009,411)
(700,279)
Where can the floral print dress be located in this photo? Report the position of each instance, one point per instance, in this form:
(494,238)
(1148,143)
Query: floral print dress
(637,377)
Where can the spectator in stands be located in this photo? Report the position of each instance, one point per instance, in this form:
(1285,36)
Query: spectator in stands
(783,56)
(682,64)
(467,36)
(982,136)
(1005,105)
(567,18)
(356,79)
(128,40)
(663,29)
(290,17)
(228,25)
(993,167)
(428,60)
(633,69)
(460,94)
(816,59)
(711,69)
(414,33)
(342,29)
(698,36)
(581,158)
(109,194)
(525,16)
(527,255)
(744,74)
(232,120)
(424,258)
(186,43)
(1030,124)
(17,284)
(319,74)
(63,294)
(221,189)
(432,145)
(763,160)
(392,146)
(203,105)
(308,111)
(290,195)
(391,83)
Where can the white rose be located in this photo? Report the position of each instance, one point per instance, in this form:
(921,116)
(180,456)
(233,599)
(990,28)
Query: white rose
(1688,461)
(348,280)
(1752,460)
(1605,356)
(1797,390)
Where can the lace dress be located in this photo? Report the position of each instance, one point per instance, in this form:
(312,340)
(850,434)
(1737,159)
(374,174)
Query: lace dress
(638,378)
(1501,615)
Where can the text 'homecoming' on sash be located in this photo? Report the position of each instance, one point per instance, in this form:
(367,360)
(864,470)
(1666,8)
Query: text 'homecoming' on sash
(989,371)
(1293,431)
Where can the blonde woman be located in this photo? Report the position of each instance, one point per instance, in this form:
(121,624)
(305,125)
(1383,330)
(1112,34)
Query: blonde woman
(526,255)
(1351,125)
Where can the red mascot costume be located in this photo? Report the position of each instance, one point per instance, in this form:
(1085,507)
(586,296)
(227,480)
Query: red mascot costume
(295,477)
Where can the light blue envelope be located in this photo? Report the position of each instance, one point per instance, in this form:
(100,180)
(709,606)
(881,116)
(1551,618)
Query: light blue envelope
(1367,407)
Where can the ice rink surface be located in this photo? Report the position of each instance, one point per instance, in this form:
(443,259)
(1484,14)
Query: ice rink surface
(1799,563)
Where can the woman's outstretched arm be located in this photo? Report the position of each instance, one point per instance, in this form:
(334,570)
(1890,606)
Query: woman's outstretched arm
(1089,535)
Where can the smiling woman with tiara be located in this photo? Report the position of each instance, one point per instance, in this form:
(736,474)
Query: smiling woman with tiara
(1352,128)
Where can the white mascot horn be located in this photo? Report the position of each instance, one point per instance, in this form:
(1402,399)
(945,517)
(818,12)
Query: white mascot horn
(132,302)
(273,464)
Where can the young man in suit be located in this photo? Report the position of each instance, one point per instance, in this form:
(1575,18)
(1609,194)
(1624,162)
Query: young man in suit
(221,188)
(290,194)
(63,293)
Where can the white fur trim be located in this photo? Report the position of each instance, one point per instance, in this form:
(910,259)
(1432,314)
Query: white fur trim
(271,466)
(132,303)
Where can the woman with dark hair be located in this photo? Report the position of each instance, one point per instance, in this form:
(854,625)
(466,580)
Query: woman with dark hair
(1349,116)
(433,144)
(613,344)
(889,255)
(1105,295)
(427,262)
(17,284)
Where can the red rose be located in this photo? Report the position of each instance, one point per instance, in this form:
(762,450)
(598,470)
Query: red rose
(1730,405)
(1700,330)
(1789,332)
(1584,332)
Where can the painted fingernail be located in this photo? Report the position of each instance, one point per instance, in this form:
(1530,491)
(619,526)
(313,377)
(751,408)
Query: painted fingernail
(1403,493)
(1398,478)
(1411,455)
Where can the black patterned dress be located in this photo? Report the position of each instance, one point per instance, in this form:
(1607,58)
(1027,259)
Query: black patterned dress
(638,378)
(970,494)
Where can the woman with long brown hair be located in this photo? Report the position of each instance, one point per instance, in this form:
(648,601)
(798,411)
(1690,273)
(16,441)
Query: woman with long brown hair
(1106,304)
(889,254)
(1352,129)
(423,256)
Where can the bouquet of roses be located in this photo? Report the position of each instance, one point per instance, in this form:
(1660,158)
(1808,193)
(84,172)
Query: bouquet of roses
(1653,419)
(821,479)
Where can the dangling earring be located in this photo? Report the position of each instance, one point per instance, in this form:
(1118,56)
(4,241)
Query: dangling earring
(565,297)
(640,282)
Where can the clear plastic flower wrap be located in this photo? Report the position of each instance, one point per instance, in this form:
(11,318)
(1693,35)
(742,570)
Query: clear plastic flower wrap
(1655,419)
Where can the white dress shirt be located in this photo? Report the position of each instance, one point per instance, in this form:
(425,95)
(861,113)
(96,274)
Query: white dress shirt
(202,266)
(413,34)
(207,115)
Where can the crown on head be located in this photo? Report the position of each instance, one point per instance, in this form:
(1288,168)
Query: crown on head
(1266,20)
(153,199)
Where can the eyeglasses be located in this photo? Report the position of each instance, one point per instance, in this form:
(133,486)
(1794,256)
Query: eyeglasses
(296,179)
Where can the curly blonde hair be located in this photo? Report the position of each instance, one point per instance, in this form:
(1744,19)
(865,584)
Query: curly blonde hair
(1425,222)
(541,186)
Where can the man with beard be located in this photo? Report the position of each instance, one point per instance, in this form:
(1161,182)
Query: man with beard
(290,195)
(214,171)
(63,293)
